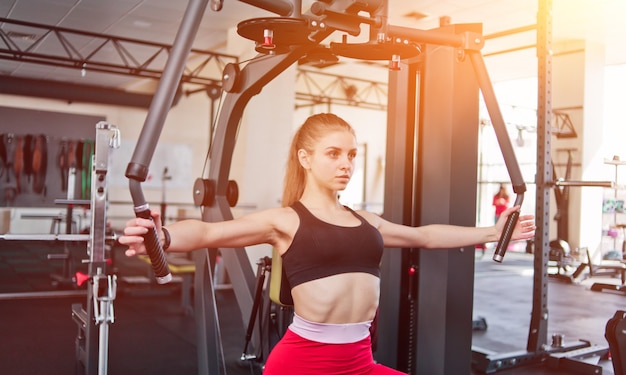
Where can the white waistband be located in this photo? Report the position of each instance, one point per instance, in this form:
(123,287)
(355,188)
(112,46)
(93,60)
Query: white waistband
(330,333)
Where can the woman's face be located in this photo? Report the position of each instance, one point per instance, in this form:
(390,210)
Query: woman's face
(332,161)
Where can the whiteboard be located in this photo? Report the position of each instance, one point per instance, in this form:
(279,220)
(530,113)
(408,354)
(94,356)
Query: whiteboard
(177,158)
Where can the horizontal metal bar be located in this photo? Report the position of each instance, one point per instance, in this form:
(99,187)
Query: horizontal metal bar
(72,92)
(50,237)
(513,31)
(280,7)
(515,49)
(43,294)
(426,36)
(607,184)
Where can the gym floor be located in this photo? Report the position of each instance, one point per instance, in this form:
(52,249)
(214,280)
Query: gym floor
(152,334)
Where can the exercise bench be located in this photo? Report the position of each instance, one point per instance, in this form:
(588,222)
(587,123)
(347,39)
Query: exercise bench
(612,269)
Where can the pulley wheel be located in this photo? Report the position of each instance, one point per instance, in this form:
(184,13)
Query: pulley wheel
(231,78)
(232,193)
(203,192)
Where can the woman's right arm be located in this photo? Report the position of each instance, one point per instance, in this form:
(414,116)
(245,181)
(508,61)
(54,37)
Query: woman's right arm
(187,235)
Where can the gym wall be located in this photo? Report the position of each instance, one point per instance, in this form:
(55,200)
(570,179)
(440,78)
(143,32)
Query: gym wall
(37,149)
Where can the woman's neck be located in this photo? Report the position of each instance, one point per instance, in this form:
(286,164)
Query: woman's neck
(320,201)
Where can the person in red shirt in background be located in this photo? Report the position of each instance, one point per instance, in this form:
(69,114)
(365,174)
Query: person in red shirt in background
(500,202)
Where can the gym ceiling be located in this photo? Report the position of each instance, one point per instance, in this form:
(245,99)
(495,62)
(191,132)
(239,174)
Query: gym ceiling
(44,30)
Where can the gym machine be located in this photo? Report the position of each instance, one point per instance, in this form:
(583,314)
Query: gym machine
(433,115)
(281,41)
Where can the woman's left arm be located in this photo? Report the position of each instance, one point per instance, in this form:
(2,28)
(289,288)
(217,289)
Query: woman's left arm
(450,236)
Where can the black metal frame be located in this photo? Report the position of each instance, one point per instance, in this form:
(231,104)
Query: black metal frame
(137,169)
(538,350)
(463,42)
(430,149)
(255,75)
(250,81)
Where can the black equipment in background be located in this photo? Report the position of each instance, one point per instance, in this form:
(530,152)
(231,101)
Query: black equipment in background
(615,334)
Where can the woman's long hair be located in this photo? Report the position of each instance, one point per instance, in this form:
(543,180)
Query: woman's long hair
(314,128)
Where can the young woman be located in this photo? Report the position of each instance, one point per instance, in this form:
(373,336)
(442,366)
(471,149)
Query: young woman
(331,254)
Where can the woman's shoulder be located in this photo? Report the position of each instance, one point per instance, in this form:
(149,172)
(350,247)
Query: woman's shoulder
(374,219)
(281,218)
(277,218)
(275,213)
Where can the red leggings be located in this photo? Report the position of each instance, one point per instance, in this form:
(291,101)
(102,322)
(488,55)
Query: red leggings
(294,355)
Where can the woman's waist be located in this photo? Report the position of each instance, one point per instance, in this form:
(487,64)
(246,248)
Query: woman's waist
(330,333)
(347,298)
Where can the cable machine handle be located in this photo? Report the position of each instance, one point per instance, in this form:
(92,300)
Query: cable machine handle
(510,160)
(503,243)
(137,169)
(507,232)
(155,251)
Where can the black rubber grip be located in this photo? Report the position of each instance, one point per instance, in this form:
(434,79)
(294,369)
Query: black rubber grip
(155,252)
(503,243)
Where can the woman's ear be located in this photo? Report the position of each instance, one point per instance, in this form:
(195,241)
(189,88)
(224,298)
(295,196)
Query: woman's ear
(303,158)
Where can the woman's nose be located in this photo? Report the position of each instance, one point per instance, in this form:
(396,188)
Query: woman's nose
(346,164)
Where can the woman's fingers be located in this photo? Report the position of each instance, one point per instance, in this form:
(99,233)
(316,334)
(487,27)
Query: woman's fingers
(156,215)
(528,222)
(131,239)
(134,231)
(134,243)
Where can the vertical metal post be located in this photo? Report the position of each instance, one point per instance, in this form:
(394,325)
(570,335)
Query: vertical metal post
(208,336)
(430,178)
(538,330)
(87,343)
(96,245)
(399,160)
(446,183)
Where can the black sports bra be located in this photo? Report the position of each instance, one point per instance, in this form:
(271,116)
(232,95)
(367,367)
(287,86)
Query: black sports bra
(320,249)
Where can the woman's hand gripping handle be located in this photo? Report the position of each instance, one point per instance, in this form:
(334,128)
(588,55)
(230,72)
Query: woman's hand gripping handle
(155,251)
(505,238)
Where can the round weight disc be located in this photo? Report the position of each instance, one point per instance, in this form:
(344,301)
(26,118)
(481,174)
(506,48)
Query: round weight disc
(203,192)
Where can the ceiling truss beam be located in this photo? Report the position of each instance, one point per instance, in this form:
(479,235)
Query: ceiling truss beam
(20,41)
(318,88)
